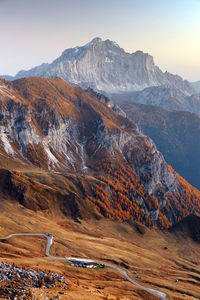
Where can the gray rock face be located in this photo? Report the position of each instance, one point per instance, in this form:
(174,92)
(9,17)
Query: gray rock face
(70,145)
(60,128)
(104,66)
(124,143)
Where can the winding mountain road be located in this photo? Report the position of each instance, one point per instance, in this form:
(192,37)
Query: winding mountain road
(49,238)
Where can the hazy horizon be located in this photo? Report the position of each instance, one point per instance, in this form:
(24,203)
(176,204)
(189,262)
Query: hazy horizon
(37,32)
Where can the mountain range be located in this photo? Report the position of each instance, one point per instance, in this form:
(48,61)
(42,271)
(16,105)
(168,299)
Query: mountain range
(175,133)
(161,96)
(59,127)
(104,66)
(63,148)
(84,164)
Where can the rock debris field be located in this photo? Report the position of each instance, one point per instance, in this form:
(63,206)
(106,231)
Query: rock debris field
(19,283)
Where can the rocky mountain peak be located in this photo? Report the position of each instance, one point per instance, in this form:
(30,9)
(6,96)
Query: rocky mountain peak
(104,66)
(98,41)
(95,41)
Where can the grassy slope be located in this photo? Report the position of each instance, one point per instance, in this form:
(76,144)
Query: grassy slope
(103,240)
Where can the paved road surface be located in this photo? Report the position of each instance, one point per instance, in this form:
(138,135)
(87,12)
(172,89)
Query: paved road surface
(49,238)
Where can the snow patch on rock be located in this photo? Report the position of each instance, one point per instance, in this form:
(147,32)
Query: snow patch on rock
(7,146)
(51,157)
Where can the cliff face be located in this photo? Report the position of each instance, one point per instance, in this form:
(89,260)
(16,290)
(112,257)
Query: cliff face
(59,128)
(71,129)
(104,66)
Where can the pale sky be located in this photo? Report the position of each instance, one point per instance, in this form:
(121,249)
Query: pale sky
(37,31)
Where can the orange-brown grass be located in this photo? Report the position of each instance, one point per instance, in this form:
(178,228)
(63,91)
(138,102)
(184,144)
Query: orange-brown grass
(120,191)
(159,258)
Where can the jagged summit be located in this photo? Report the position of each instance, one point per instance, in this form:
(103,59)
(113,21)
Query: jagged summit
(97,41)
(104,66)
(93,42)
(97,44)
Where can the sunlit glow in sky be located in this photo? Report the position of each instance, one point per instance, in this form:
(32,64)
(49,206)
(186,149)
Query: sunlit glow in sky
(37,31)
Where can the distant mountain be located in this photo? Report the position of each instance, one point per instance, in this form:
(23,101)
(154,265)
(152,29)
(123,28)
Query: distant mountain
(7,77)
(169,98)
(176,134)
(64,149)
(189,226)
(104,66)
(196,86)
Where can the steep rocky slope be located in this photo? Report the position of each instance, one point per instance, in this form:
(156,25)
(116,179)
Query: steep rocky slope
(65,149)
(104,66)
(176,134)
